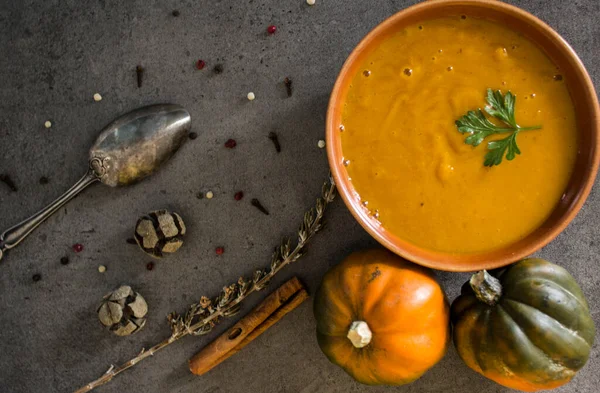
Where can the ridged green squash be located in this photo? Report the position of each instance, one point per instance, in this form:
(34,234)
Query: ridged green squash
(529,328)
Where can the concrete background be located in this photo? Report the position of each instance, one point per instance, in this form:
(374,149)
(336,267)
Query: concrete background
(54,55)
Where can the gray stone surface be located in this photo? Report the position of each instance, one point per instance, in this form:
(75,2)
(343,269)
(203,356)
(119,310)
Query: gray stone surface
(54,55)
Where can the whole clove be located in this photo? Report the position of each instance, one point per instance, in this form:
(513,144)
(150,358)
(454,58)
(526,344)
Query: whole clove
(256,203)
(288,86)
(273,137)
(8,181)
(139,70)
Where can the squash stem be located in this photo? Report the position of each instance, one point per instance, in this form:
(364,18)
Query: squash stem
(487,288)
(359,334)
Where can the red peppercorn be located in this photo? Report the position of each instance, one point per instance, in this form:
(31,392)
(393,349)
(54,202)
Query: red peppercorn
(150,265)
(200,64)
(230,144)
(271,29)
(78,247)
(238,196)
(219,250)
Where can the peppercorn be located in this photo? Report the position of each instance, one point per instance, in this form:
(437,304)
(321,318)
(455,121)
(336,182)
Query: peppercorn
(64,260)
(218,69)
(36,277)
(192,135)
(271,29)
(150,266)
(230,144)
(219,250)
(78,247)
(238,196)
(200,64)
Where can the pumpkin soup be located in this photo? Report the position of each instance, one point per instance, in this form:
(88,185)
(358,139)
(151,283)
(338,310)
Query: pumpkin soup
(409,162)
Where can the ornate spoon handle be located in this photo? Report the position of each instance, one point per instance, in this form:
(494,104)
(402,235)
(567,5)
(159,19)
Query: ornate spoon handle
(13,236)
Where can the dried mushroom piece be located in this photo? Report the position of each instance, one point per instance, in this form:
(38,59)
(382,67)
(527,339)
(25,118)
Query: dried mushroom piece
(123,311)
(160,232)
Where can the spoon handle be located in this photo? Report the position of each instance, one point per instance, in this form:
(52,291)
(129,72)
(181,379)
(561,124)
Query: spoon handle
(13,236)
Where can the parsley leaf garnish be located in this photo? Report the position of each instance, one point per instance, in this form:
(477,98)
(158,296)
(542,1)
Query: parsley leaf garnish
(475,123)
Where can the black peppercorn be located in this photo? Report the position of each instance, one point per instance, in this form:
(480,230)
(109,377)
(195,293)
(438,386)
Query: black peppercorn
(218,69)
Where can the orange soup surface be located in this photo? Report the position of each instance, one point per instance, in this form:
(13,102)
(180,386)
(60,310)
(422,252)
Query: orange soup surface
(410,165)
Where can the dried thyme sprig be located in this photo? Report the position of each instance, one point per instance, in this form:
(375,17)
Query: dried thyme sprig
(201,317)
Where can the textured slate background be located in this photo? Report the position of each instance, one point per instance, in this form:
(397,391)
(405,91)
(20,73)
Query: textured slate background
(54,55)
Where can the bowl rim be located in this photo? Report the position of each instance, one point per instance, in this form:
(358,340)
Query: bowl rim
(448,261)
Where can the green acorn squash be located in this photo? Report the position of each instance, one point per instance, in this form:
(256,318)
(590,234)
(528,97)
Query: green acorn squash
(529,328)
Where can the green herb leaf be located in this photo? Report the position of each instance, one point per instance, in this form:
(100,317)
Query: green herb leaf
(499,147)
(502,108)
(475,123)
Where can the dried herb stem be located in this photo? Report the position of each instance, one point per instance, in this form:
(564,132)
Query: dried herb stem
(201,317)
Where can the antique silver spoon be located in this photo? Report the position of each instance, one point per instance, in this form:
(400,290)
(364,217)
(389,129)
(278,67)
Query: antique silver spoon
(127,150)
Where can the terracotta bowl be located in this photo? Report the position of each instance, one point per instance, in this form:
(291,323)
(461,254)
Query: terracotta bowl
(588,119)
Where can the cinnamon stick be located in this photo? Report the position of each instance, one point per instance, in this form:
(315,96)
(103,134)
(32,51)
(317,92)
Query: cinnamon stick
(272,309)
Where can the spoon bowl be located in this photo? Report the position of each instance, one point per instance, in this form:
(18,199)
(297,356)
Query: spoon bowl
(136,144)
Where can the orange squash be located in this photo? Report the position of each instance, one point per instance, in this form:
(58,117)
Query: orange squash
(384,320)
